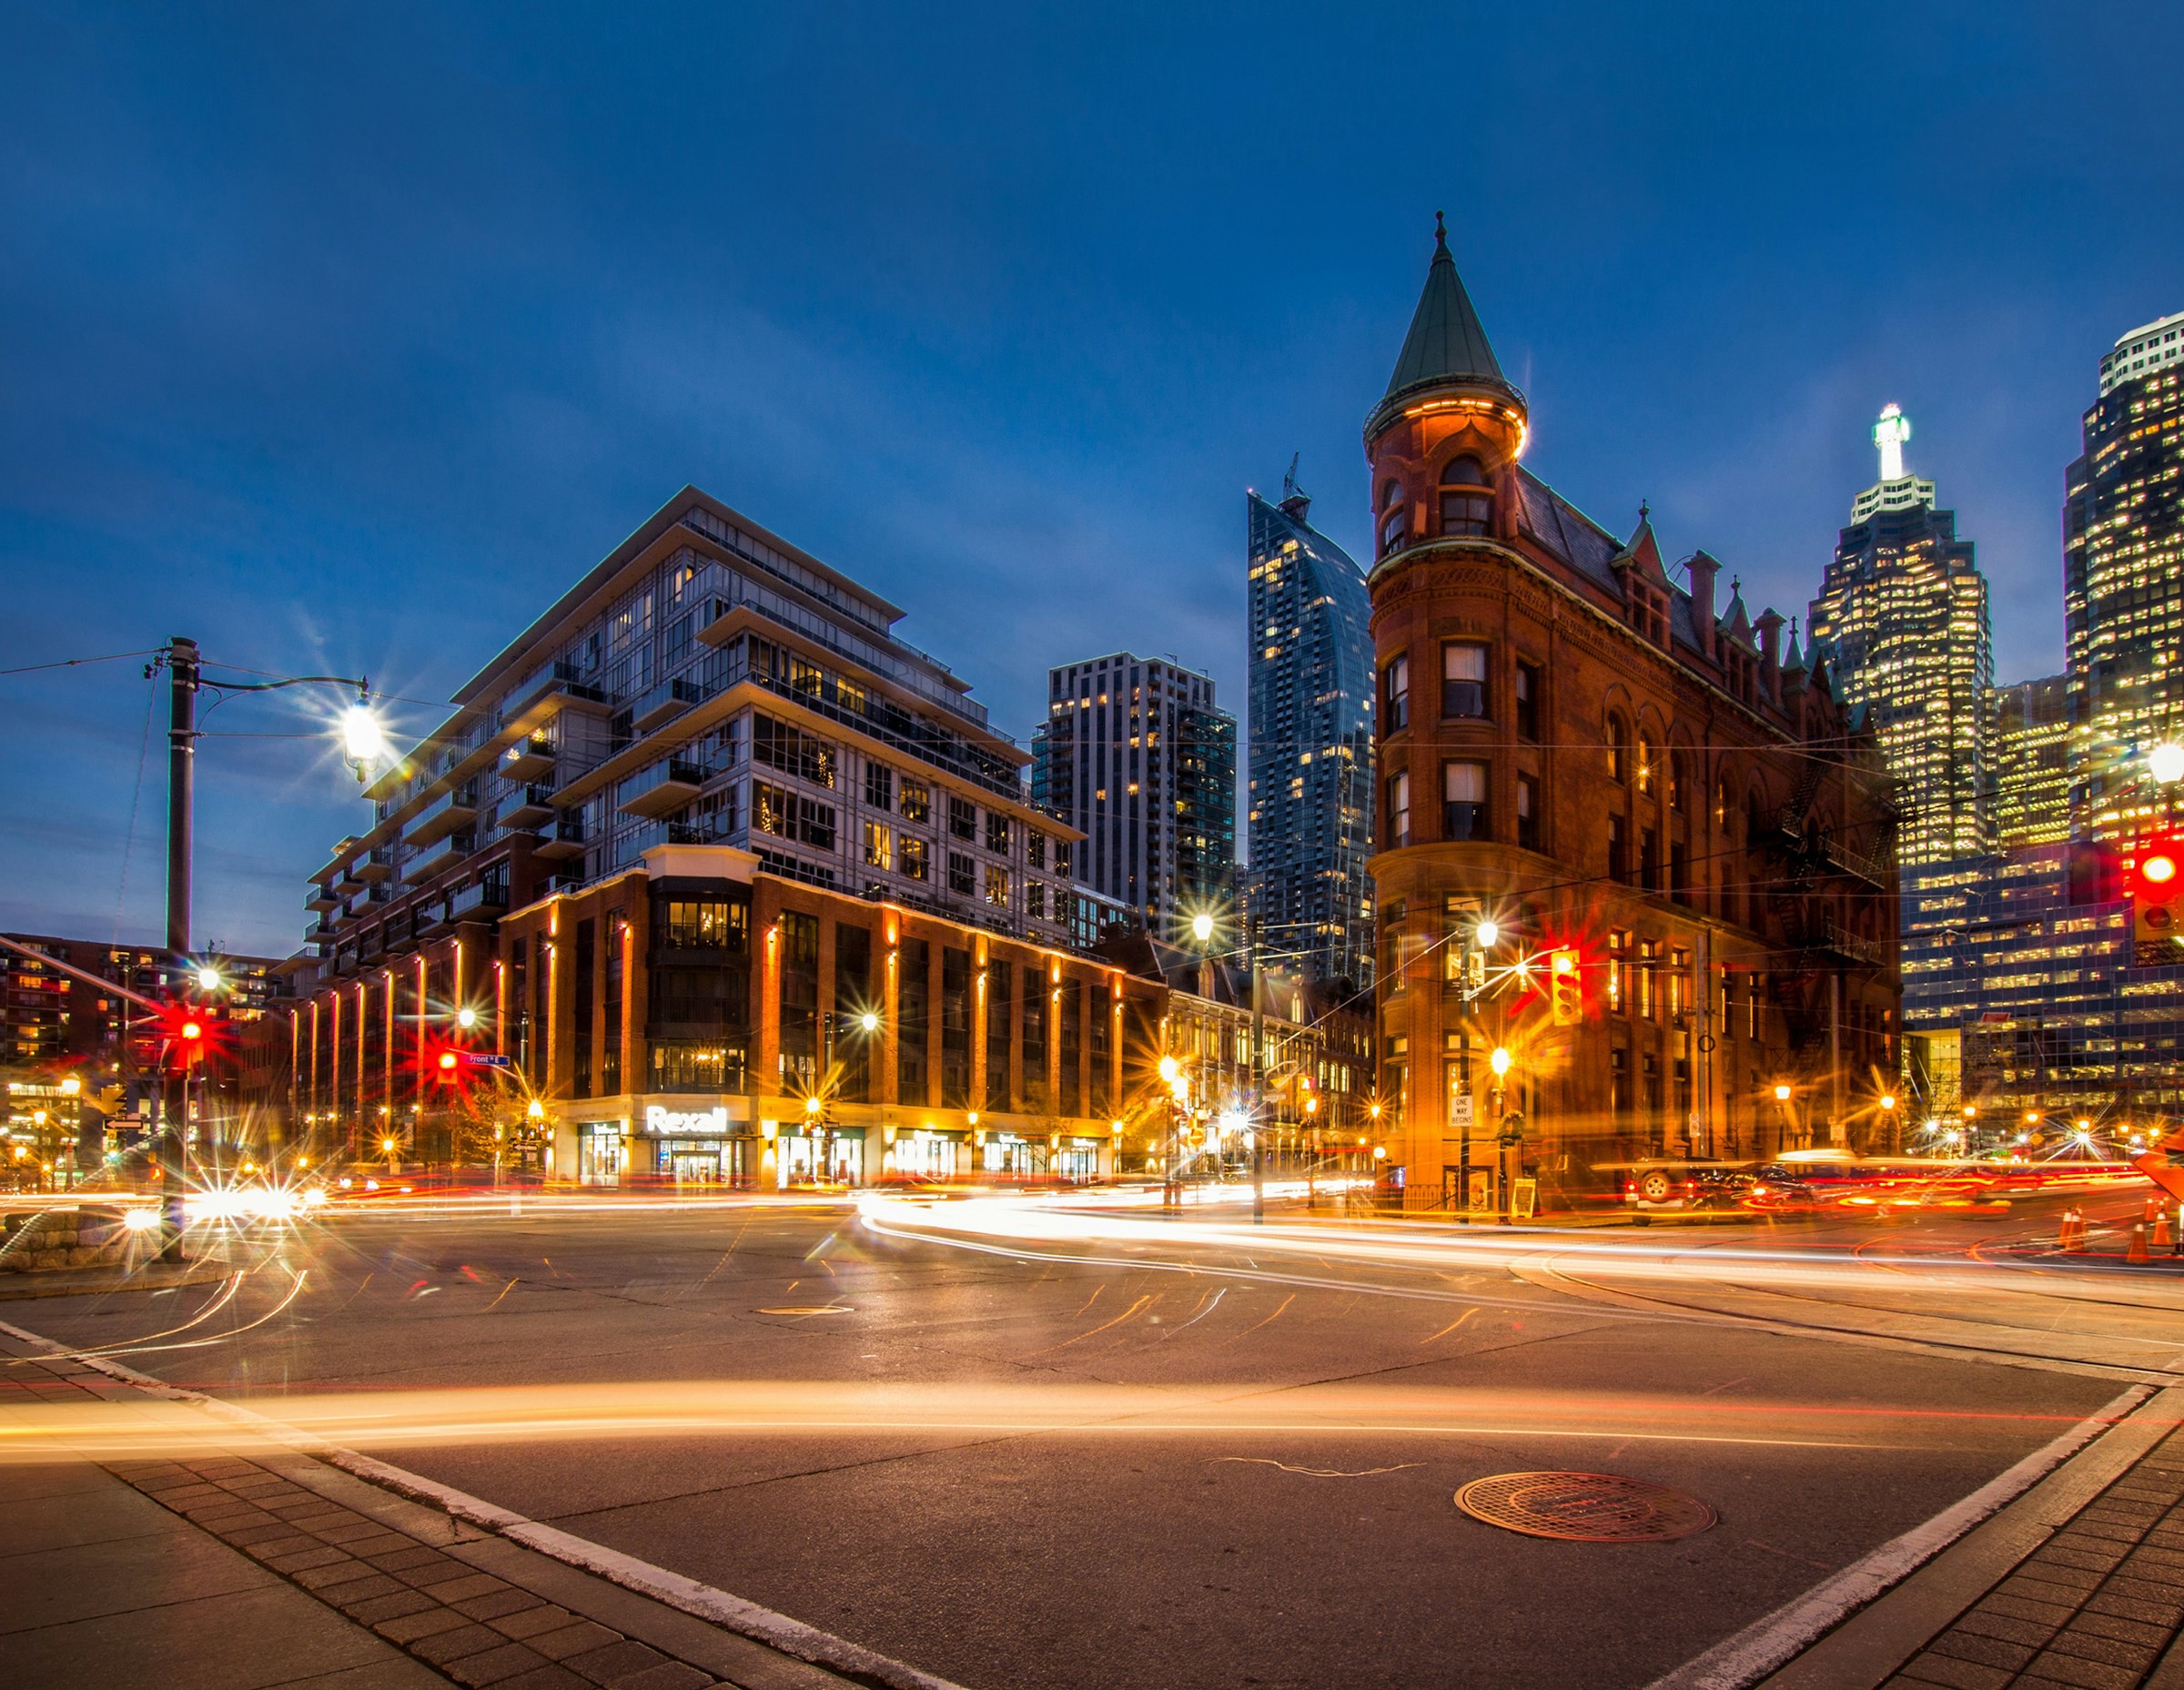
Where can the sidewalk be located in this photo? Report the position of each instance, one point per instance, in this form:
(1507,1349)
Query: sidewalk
(247,1572)
(2078,1585)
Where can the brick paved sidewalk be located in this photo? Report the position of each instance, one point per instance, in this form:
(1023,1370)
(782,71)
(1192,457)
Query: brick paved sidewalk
(382,1573)
(2095,1606)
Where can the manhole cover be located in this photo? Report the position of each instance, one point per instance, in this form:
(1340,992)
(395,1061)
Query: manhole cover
(1584,1507)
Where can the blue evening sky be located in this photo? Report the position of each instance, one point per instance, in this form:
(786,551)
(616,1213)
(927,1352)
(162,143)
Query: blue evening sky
(344,337)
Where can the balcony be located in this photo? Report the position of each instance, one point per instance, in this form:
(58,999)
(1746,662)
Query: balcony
(443,817)
(662,789)
(323,898)
(1872,867)
(664,703)
(528,759)
(1829,936)
(565,839)
(557,684)
(530,807)
(453,852)
(376,868)
(486,901)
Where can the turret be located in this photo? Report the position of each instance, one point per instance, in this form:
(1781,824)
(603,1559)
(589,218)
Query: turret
(1442,439)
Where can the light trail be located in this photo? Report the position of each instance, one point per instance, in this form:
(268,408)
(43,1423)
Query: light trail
(45,1429)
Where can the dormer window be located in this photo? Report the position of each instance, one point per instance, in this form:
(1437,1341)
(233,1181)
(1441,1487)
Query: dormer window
(1466,498)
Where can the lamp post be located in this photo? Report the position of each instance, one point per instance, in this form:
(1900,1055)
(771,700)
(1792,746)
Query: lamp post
(363,743)
(1201,929)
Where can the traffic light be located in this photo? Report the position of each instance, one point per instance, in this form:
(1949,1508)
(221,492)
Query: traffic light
(2157,880)
(186,1032)
(1565,992)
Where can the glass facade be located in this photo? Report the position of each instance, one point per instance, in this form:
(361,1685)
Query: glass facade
(1135,753)
(2022,992)
(2032,763)
(2123,580)
(1311,784)
(1903,612)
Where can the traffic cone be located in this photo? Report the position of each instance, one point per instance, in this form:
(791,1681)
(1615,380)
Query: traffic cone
(2074,1230)
(2163,1232)
(2137,1250)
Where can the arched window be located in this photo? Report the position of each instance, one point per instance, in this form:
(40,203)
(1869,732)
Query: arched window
(1646,764)
(1675,780)
(1619,759)
(1467,499)
(1395,522)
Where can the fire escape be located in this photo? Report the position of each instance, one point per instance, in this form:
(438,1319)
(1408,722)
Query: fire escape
(1816,864)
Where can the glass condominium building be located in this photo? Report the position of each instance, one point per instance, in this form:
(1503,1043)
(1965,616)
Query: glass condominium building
(1311,785)
(1904,608)
(1136,755)
(2123,580)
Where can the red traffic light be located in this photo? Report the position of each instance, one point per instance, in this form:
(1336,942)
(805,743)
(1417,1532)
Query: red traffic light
(2158,869)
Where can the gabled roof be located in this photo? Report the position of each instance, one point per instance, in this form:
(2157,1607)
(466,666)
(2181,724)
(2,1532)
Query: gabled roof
(1643,552)
(1446,342)
(1736,622)
(1792,661)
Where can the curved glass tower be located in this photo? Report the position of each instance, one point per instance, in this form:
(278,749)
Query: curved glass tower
(1311,743)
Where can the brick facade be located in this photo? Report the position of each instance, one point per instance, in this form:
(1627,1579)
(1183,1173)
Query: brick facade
(1580,749)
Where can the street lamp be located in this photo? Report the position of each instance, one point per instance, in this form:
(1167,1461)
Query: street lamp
(466,1018)
(1488,932)
(363,741)
(2164,763)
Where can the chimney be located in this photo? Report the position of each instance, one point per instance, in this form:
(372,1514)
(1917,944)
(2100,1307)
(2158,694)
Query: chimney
(1770,652)
(1704,569)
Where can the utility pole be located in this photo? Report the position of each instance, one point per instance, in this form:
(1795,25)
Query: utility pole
(181,768)
(1259,1078)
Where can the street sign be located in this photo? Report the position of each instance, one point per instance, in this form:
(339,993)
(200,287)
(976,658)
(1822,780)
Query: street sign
(486,1059)
(1462,1111)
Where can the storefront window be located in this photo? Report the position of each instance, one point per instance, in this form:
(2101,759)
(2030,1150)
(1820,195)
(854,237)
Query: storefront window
(599,1153)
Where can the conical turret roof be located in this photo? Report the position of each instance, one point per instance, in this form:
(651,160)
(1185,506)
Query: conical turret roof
(1447,341)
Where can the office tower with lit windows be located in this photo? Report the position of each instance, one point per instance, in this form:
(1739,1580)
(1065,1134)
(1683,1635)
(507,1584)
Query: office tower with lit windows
(1311,796)
(1136,755)
(2032,763)
(2123,581)
(1903,612)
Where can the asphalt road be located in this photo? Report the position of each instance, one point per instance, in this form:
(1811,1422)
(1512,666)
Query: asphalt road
(1037,1448)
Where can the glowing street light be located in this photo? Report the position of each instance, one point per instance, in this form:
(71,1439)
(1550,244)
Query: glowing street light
(2164,763)
(1782,1091)
(466,1018)
(869,1021)
(1888,1101)
(1488,932)
(1202,927)
(363,739)
(1500,1061)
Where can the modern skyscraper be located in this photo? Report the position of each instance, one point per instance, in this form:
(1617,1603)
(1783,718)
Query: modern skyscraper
(1903,611)
(1311,741)
(2123,579)
(1135,753)
(2032,763)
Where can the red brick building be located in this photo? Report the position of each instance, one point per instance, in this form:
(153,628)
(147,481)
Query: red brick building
(1580,750)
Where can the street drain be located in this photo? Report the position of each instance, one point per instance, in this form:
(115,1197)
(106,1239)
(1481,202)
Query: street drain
(1584,1507)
